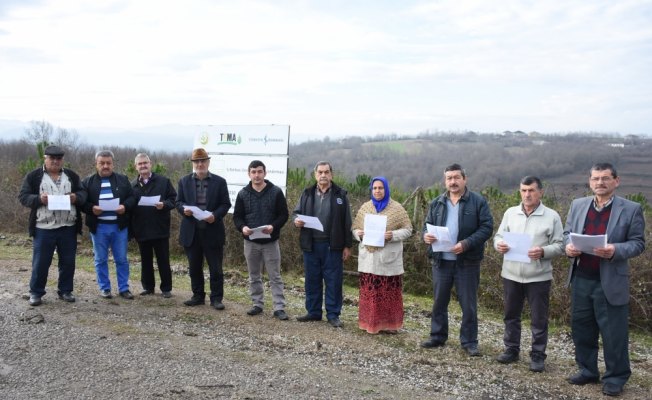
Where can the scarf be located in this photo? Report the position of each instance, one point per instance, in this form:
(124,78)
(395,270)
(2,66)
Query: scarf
(379,204)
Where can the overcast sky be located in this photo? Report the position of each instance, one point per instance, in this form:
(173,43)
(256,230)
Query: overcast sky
(330,67)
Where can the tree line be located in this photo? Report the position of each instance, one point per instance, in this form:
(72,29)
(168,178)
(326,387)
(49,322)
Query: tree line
(413,166)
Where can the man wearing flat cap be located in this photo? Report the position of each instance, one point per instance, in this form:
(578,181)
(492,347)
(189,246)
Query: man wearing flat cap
(202,236)
(55,196)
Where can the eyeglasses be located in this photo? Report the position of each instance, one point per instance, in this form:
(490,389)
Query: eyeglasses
(55,157)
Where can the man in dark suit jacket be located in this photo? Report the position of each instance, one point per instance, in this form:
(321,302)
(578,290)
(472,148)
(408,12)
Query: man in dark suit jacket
(600,279)
(150,225)
(203,237)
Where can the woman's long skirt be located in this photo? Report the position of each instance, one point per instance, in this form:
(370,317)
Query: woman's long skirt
(380,307)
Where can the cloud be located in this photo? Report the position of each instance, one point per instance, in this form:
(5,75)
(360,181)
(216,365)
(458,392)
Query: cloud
(324,68)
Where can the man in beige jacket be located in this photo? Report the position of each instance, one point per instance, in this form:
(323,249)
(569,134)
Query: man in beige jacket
(529,279)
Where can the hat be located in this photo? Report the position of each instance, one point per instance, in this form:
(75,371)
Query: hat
(55,151)
(199,154)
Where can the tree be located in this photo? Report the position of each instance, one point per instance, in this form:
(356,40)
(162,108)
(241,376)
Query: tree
(44,132)
(39,132)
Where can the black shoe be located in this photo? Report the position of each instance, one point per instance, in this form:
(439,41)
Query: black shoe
(35,300)
(537,362)
(105,294)
(166,294)
(431,343)
(537,365)
(146,292)
(472,350)
(127,295)
(579,379)
(280,314)
(255,310)
(194,301)
(67,297)
(611,389)
(335,322)
(507,357)
(218,305)
(308,317)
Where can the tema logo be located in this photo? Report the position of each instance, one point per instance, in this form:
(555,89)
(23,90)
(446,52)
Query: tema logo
(230,138)
(203,139)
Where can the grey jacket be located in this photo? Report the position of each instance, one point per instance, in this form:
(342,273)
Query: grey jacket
(625,230)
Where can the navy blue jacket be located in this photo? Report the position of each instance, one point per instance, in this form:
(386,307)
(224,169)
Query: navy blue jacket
(475,223)
(340,234)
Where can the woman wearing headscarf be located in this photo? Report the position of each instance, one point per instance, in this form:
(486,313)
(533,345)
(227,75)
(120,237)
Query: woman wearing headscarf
(380,307)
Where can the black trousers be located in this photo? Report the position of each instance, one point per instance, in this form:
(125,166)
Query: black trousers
(538,297)
(160,247)
(204,246)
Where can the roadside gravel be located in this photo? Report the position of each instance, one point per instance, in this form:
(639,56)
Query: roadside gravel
(155,348)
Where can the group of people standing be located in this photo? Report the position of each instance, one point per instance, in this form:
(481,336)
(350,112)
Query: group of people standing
(457,226)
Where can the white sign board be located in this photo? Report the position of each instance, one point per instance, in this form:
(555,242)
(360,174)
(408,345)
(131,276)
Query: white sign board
(233,147)
(244,139)
(234,168)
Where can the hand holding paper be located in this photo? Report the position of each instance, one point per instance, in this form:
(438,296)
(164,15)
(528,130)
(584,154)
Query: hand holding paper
(443,242)
(149,200)
(588,243)
(109,205)
(519,245)
(374,230)
(59,202)
(198,213)
(311,222)
(259,234)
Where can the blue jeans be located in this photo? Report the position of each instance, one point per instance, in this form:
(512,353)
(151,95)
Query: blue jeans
(46,241)
(592,316)
(466,278)
(110,236)
(323,264)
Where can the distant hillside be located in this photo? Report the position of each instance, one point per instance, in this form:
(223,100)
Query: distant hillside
(490,160)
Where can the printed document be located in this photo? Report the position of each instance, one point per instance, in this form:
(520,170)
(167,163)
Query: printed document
(311,222)
(59,202)
(109,205)
(519,244)
(198,213)
(443,242)
(259,234)
(374,230)
(586,243)
(149,200)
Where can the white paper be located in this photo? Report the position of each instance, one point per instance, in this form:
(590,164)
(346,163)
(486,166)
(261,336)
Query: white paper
(443,242)
(149,200)
(59,202)
(519,245)
(259,234)
(109,205)
(311,222)
(586,243)
(198,213)
(374,230)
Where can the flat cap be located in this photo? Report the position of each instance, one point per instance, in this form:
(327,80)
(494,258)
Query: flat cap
(55,151)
